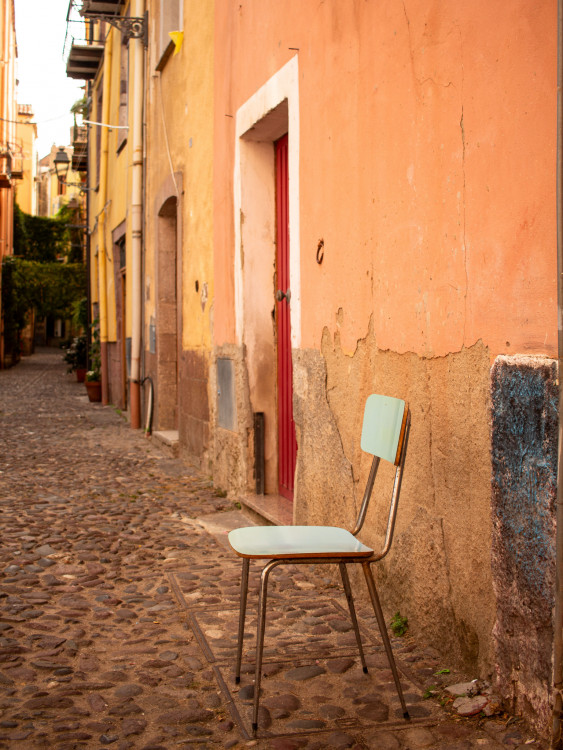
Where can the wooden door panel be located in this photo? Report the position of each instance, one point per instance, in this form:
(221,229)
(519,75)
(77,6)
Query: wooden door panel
(287,443)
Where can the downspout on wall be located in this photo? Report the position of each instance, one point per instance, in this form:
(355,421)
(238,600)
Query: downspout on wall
(102,254)
(136,221)
(558,623)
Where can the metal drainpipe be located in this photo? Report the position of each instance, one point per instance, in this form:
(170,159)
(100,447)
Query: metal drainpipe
(558,624)
(102,198)
(137,222)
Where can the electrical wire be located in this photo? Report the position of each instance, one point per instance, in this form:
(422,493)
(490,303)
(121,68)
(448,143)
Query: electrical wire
(33,122)
(105,125)
(166,136)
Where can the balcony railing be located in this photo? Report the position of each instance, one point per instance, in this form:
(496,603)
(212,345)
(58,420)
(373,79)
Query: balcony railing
(79,162)
(84,43)
(84,60)
(17,166)
(5,170)
(93,8)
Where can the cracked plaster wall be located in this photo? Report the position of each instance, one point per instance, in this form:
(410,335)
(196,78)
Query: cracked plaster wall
(472,563)
(438,573)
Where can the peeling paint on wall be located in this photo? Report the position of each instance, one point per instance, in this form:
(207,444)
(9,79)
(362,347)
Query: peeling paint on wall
(524,485)
(443,524)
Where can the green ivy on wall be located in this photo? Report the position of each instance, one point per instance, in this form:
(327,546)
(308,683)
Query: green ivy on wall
(48,288)
(41,238)
(43,274)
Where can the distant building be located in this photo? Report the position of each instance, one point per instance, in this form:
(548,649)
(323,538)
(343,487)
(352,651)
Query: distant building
(24,165)
(52,194)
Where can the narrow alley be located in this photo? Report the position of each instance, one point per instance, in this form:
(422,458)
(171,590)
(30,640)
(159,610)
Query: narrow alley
(118,606)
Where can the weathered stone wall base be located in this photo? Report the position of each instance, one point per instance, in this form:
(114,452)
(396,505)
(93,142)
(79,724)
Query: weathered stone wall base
(494,620)
(193,421)
(193,408)
(233,449)
(438,573)
(115,375)
(524,488)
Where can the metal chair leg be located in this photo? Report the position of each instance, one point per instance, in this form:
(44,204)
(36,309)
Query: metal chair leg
(351,607)
(260,638)
(242,614)
(383,630)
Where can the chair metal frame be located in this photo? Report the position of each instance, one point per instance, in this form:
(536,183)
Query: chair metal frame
(332,559)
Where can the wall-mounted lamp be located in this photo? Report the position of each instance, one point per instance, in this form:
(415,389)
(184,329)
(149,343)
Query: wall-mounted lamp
(62,164)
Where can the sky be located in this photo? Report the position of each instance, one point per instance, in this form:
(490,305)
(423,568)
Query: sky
(41,69)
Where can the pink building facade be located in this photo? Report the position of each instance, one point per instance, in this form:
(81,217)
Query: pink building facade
(421,263)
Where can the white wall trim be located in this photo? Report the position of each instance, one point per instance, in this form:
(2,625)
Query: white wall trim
(282,85)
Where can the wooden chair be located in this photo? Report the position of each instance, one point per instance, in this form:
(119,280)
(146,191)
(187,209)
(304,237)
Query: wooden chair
(385,435)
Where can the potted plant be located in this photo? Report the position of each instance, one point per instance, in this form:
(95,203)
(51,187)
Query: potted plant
(76,357)
(93,380)
(76,354)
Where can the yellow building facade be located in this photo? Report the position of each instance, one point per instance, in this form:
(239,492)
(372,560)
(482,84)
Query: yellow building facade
(107,57)
(26,157)
(8,115)
(150,208)
(178,275)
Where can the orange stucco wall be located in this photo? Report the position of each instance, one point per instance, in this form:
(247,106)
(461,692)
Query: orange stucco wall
(427,165)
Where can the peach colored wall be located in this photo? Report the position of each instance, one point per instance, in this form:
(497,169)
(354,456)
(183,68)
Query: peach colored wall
(427,151)
(427,146)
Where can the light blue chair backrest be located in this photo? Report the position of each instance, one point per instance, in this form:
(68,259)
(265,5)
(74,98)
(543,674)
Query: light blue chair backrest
(383,427)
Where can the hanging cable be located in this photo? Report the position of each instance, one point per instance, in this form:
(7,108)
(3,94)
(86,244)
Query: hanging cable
(166,135)
(105,125)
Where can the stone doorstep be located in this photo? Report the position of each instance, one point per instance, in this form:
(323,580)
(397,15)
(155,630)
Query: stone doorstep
(219,525)
(168,441)
(273,509)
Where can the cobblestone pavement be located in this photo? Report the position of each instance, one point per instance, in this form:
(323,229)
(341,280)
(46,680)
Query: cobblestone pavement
(118,606)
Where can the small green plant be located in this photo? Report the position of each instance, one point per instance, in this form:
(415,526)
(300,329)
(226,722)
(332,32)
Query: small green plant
(80,313)
(80,107)
(237,505)
(75,355)
(430,692)
(441,671)
(399,624)
(94,374)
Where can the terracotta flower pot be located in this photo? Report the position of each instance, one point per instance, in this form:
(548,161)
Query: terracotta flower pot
(80,374)
(94,388)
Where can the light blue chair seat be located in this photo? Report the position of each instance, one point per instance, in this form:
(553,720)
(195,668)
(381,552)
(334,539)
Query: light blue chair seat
(385,433)
(267,542)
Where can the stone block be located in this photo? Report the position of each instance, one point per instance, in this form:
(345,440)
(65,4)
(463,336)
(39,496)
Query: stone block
(524,454)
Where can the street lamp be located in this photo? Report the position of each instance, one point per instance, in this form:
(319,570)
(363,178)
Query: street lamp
(62,163)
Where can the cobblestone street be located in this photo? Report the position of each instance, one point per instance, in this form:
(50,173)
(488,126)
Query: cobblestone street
(119,604)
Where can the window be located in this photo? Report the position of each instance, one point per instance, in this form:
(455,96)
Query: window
(171,18)
(123,92)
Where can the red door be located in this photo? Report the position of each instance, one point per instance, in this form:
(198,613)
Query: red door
(287,444)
